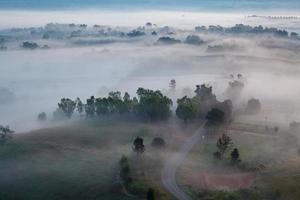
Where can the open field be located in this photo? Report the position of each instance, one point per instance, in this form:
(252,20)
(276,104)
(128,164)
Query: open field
(79,161)
(267,163)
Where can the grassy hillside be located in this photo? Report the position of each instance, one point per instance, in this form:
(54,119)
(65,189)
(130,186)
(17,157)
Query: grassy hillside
(78,161)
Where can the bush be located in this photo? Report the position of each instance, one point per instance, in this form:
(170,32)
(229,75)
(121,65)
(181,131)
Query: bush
(42,116)
(158,142)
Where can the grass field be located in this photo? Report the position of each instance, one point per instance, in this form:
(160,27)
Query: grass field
(202,175)
(78,161)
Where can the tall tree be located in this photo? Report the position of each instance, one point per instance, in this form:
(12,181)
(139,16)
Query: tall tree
(90,107)
(79,106)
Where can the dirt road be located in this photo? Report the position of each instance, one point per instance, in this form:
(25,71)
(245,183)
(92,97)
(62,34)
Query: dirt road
(168,175)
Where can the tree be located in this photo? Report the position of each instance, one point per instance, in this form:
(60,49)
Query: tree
(158,142)
(79,106)
(226,107)
(150,194)
(172,85)
(115,103)
(5,134)
(42,116)
(67,106)
(127,105)
(186,109)
(235,156)
(253,106)
(138,145)
(101,106)
(153,105)
(90,107)
(215,117)
(224,144)
(194,40)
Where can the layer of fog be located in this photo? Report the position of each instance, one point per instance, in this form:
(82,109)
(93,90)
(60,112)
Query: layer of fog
(180,19)
(39,78)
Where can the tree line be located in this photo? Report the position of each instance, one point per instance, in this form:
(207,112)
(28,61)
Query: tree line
(150,105)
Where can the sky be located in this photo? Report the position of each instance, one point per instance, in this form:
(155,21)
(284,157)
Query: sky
(151,4)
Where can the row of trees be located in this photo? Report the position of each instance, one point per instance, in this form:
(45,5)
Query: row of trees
(149,105)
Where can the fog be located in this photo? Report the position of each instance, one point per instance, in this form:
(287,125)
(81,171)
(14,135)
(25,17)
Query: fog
(94,65)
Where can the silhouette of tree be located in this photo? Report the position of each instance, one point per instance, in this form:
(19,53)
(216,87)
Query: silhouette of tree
(235,156)
(42,116)
(90,107)
(138,145)
(6,134)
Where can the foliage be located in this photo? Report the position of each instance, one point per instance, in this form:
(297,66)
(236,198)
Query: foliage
(89,107)
(235,156)
(253,106)
(150,194)
(79,106)
(215,117)
(5,134)
(186,109)
(42,116)
(224,144)
(153,105)
(138,145)
(124,169)
(67,106)
(158,142)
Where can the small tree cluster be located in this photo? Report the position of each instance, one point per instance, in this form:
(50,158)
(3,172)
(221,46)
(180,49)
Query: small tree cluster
(6,134)
(224,144)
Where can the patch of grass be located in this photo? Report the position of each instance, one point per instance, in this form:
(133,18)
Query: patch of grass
(72,162)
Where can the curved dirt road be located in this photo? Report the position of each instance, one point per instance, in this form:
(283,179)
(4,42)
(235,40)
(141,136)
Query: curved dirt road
(168,176)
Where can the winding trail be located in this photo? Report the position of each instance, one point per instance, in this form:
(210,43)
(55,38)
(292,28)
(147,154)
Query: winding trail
(168,175)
